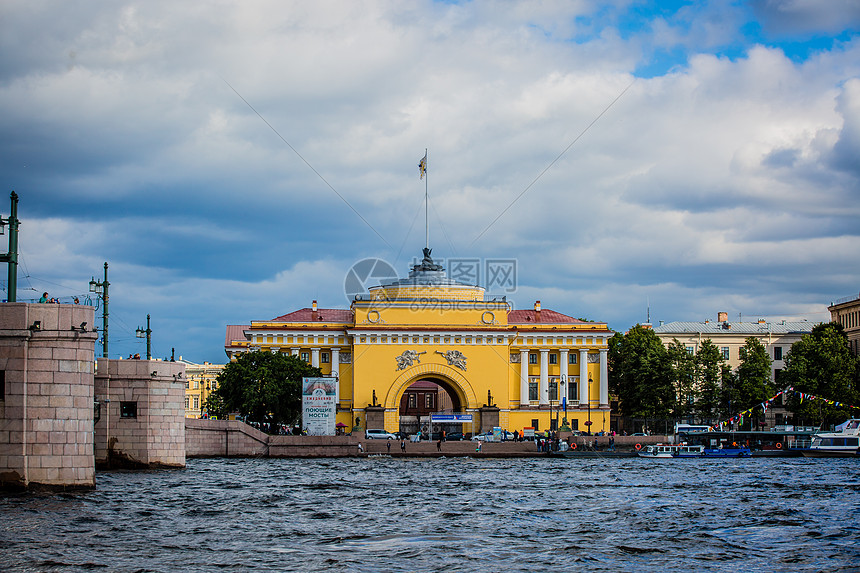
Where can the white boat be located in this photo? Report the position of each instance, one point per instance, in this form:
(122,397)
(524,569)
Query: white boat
(842,443)
(670,451)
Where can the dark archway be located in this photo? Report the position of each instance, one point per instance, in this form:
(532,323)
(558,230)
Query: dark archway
(424,397)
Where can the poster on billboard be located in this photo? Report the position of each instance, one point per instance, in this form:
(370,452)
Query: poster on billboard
(319,406)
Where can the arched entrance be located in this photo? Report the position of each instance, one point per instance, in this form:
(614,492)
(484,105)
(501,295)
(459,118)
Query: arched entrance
(424,397)
(453,394)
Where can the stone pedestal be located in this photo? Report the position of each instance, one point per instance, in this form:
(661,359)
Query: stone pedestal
(142,422)
(375,417)
(46,396)
(489,418)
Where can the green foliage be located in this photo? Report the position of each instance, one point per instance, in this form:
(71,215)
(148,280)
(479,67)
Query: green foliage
(640,373)
(709,388)
(821,364)
(754,384)
(685,373)
(263,387)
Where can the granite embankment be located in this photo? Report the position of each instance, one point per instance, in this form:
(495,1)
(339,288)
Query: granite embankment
(230,438)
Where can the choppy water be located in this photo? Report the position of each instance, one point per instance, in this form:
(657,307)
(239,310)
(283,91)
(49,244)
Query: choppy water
(458,514)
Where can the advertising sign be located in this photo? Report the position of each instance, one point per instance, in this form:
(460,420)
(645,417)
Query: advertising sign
(497,434)
(451,417)
(528,432)
(319,406)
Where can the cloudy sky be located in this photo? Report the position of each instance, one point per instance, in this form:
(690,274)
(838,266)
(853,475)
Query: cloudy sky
(231,161)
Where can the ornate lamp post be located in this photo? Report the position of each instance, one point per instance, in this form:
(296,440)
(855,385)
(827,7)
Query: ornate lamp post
(141,333)
(11,258)
(588,423)
(101,289)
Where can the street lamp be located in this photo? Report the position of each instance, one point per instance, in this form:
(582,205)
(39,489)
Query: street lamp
(588,423)
(148,335)
(563,390)
(11,257)
(101,289)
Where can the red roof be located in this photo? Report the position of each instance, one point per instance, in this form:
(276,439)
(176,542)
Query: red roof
(541,317)
(235,332)
(320,315)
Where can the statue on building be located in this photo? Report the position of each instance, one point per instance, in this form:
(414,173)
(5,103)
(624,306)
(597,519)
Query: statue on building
(454,358)
(408,358)
(427,263)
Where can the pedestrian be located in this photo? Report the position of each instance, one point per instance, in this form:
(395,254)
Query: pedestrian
(439,445)
(44,298)
(360,448)
(611,444)
(388,445)
(479,448)
(402,446)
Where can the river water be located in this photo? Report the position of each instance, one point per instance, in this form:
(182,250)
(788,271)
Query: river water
(448,514)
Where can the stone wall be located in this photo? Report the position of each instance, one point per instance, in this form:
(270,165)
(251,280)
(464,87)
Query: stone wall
(46,396)
(231,438)
(211,438)
(142,422)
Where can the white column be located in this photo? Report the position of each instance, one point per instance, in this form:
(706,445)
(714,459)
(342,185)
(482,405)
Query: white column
(524,377)
(604,377)
(294,351)
(335,362)
(562,373)
(315,357)
(583,377)
(543,391)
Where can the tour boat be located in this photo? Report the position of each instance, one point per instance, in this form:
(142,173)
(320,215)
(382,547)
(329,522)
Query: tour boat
(727,452)
(669,450)
(843,443)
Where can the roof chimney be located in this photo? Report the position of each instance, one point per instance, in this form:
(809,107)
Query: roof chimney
(722,316)
(314,306)
(537,305)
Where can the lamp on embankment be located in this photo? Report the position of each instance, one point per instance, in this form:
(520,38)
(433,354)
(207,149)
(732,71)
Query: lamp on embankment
(148,335)
(101,290)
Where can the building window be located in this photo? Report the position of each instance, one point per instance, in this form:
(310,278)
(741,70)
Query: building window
(428,401)
(571,358)
(535,424)
(725,350)
(305,356)
(214,384)
(777,352)
(574,425)
(553,358)
(412,400)
(533,391)
(532,358)
(186,402)
(196,402)
(324,357)
(128,409)
(690,350)
(553,425)
(553,389)
(572,393)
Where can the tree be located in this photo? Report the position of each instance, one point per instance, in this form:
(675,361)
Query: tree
(641,374)
(264,387)
(754,384)
(821,364)
(684,370)
(709,382)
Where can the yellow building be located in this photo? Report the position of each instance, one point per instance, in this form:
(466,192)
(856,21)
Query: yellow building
(846,312)
(200,380)
(515,369)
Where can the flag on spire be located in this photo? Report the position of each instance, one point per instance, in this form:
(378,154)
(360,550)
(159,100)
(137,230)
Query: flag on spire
(422,166)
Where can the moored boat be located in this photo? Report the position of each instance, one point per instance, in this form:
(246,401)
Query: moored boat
(669,451)
(842,443)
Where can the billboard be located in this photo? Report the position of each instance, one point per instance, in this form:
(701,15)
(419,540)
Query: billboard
(319,406)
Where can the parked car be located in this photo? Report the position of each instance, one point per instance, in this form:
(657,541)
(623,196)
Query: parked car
(454,436)
(488,436)
(379,435)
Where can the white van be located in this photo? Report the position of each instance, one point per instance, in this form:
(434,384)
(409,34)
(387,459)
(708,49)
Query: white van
(379,435)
